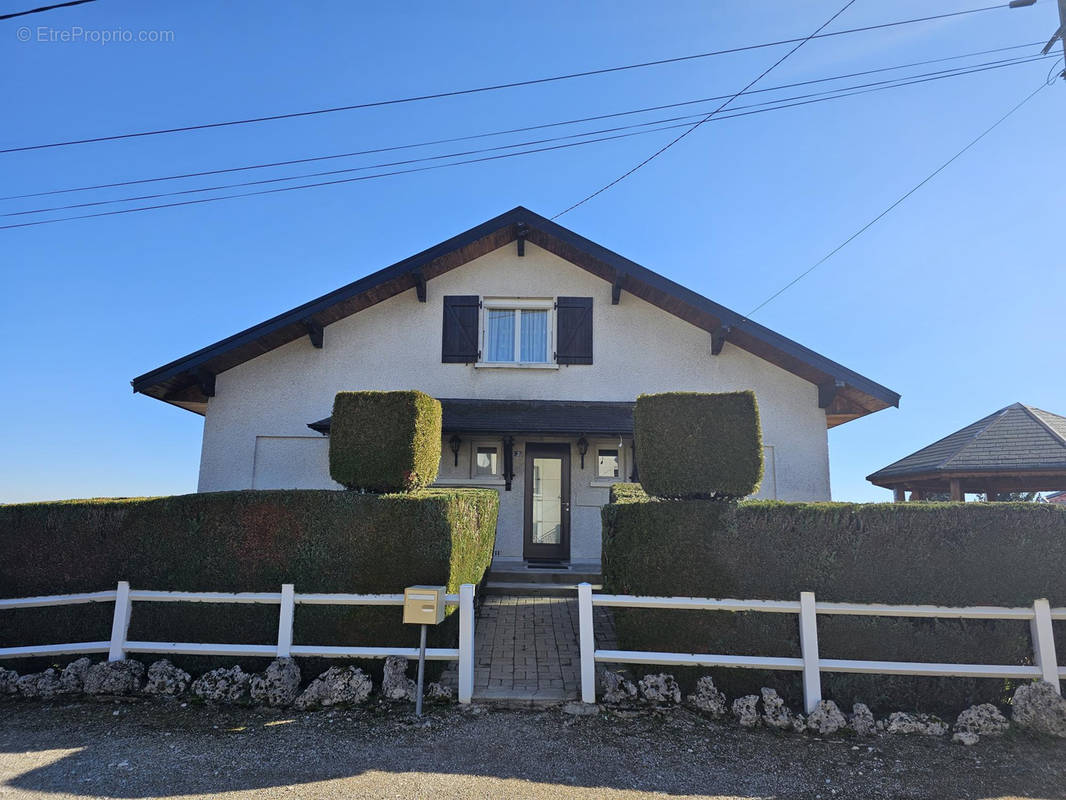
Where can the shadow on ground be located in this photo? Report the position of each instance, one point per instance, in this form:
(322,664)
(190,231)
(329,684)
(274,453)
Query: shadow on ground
(148,749)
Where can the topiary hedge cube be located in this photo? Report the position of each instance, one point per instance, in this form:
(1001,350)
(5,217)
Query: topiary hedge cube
(698,445)
(385,441)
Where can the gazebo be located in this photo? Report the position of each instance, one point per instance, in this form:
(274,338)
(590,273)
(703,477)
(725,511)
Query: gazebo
(1017,449)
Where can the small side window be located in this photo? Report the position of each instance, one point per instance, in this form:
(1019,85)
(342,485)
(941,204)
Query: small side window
(486,461)
(607,463)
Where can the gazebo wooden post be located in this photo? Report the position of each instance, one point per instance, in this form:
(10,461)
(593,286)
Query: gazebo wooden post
(899,494)
(956,490)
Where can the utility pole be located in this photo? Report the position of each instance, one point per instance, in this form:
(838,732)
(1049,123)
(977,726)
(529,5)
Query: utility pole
(1057,36)
(1060,35)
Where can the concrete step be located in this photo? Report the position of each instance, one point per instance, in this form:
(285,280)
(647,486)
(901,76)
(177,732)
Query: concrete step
(533,589)
(566,575)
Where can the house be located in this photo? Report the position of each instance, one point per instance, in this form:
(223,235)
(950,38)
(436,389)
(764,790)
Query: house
(537,341)
(1016,449)
(1058,498)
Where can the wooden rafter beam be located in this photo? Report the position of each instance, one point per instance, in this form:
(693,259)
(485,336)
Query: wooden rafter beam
(420,285)
(521,232)
(206,381)
(315,331)
(616,288)
(718,337)
(827,392)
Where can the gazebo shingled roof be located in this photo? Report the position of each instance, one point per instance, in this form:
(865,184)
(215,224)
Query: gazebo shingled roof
(1018,448)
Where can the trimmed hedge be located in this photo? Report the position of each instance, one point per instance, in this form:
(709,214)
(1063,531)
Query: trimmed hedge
(690,444)
(321,541)
(944,554)
(385,441)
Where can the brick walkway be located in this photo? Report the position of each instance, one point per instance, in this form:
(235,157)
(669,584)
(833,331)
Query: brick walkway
(527,648)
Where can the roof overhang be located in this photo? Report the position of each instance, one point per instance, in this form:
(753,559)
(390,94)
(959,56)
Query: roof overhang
(844,394)
(975,481)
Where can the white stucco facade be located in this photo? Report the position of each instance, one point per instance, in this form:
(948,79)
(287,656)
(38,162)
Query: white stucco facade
(255,429)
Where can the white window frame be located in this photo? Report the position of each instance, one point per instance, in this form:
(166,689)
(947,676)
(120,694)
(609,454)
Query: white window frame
(498,447)
(517,304)
(608,444)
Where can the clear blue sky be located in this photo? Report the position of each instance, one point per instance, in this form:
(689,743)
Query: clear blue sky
(955,300)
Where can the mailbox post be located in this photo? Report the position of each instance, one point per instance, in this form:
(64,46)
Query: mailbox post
(422,605)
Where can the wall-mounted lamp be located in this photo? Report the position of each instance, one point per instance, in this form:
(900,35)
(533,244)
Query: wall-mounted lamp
(455,442)
(582,448)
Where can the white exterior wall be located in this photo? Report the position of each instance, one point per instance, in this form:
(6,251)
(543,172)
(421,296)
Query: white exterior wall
(256,435)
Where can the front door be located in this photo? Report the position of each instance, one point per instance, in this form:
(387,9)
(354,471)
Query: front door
(547,518)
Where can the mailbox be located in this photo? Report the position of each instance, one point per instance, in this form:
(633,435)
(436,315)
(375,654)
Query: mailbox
(423,605)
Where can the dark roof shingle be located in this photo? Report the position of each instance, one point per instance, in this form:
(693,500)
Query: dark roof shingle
(1017,438)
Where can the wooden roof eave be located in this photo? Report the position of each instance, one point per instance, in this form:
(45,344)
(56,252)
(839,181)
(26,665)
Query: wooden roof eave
(176,383)
(1012,479)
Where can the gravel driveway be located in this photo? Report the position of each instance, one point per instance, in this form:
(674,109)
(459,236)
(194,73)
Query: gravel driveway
(147,749)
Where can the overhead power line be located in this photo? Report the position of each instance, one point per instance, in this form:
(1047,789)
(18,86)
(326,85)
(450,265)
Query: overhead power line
(894,205)
(418,169)
(525,129)
(309,185)
(44,8)
(489,88)
(694,127)
(772,105)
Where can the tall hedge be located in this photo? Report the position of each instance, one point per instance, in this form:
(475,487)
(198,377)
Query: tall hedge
(693,444)
(385,441)
(944,554)
(321,541)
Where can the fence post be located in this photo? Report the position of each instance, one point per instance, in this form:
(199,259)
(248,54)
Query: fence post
(587,639)
(1044,643)
(812,680)
(466,642)
(286,612)
(120,623)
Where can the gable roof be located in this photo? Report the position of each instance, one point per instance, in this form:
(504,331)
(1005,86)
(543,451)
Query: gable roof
(1014,439)
(845,394)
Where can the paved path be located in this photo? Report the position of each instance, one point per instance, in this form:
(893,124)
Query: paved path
(527,648)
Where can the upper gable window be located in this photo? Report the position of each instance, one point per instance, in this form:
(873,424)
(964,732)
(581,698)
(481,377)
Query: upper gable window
(517,332)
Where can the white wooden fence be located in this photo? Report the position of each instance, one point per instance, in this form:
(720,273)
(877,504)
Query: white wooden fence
(287,599)
(1040,616)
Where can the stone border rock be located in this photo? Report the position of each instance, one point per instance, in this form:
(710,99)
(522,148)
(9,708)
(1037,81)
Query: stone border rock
(337,686)
(1039,708)
(1036,706)
(278,685)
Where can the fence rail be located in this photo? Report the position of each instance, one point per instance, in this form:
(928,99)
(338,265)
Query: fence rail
(1040,616)
(119,645)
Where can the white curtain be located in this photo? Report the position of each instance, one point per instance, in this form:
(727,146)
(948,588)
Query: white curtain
(534,341)
(500,335)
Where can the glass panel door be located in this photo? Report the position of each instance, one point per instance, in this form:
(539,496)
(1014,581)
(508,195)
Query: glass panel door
(547,501)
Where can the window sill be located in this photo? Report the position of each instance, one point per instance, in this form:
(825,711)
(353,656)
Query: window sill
(605,484)
(508,365)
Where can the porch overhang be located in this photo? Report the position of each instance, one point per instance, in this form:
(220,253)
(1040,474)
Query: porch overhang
(518,417)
